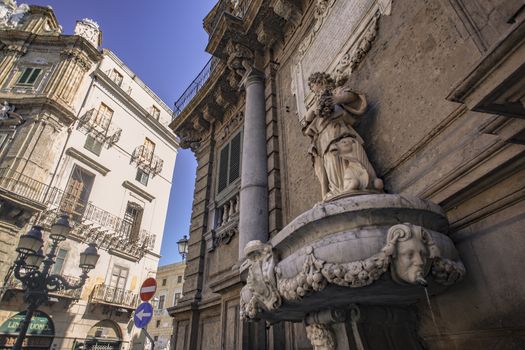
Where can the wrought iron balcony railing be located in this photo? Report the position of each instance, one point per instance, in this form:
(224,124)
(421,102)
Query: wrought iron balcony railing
(90,223)
(22,185)
(93,224)
(15,284)
(147,160)
(104,294)
(195,86)
(94,123)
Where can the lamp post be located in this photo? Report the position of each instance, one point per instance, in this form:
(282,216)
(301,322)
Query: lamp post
(183,247)
(33,268)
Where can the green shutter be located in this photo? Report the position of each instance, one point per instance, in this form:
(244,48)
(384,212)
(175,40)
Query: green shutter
(223,168)
(34,75)
(235,158)
(25,76)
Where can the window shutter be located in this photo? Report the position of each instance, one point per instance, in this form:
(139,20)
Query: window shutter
(33,76)
(235,158)
(25,75)
(223,168)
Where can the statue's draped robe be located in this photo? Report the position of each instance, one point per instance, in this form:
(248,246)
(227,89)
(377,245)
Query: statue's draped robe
(325,134)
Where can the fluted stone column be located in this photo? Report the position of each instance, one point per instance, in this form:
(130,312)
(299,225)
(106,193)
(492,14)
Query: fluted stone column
(253,215)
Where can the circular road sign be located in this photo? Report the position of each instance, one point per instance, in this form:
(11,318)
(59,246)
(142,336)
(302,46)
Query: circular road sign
(143,315)
(148,289)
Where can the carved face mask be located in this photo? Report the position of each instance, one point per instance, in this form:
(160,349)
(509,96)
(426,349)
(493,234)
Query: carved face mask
(410,260)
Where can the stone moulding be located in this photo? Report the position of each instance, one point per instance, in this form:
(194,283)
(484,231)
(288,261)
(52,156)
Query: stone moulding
(413,255)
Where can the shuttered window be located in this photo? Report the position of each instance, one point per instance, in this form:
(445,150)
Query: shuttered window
(230,163)
(29,76)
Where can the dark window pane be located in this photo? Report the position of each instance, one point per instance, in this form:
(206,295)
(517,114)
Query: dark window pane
(142,177)
(93,145)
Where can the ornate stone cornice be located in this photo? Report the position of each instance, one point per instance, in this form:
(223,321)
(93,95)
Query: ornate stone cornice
(15,48)
(78,56)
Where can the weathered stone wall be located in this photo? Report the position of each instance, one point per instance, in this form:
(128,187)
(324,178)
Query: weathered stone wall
(425,145)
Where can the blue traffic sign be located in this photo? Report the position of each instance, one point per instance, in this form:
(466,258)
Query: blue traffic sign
(143,315)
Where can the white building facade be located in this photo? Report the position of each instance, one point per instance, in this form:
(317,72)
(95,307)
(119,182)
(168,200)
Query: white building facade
(107,162)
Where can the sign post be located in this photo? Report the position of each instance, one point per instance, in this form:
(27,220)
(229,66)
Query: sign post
(144,311)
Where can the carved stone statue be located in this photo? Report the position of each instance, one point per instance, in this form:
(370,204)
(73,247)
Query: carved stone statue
(321,336)
(11,15)
(411,250)
(4,110)
(240,58)
(260,291)
(338,156)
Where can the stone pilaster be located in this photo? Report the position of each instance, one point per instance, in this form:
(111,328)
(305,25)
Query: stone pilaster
(68,75)
(253,219)
(13,53)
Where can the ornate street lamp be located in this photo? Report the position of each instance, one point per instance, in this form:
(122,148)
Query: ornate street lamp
(183,247)
(33,269)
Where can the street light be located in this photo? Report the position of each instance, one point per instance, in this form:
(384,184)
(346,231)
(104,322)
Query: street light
(183,247)
(33,268)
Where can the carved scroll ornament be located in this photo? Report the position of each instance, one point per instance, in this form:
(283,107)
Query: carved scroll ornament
(260,292)
(409,253)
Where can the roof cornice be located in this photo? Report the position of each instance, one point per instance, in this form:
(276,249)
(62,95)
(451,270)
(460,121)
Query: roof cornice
(103,79)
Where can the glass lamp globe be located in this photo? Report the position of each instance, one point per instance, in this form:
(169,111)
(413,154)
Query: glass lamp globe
(183,246)
(31,242)
(89,257)
(60,228)
(34,260)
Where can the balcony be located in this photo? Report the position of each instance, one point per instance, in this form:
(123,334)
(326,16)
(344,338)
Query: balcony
(147,160)
(15,285)
(93,123)
(236,8)
(20,185)
(93,224)
(104,294)
(195,86)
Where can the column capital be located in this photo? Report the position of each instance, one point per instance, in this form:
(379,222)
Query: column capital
(252,76)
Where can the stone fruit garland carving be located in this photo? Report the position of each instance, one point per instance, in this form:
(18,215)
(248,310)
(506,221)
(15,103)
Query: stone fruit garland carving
(409,252)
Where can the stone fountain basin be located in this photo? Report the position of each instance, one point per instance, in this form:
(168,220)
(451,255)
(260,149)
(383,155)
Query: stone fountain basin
(353,229)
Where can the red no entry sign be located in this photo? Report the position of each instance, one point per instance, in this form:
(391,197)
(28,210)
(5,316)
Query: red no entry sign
(148,289)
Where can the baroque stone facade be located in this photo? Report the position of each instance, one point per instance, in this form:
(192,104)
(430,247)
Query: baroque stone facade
(381,162)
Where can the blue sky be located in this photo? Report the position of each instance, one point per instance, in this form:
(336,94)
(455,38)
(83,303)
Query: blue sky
(163,42)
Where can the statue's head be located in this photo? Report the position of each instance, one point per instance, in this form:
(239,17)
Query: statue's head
(411,250)
(319,82)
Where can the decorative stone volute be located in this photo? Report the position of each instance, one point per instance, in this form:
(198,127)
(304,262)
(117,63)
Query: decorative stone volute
(268,32)
(260,292)
(289,10)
